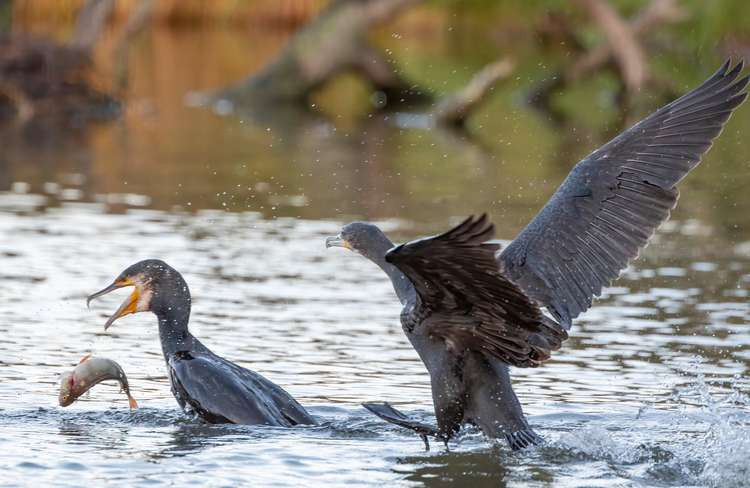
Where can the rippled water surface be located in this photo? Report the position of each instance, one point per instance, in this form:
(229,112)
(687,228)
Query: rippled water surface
(651,389)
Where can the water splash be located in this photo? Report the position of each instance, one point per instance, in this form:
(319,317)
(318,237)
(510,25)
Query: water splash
(700,436)
(727,448)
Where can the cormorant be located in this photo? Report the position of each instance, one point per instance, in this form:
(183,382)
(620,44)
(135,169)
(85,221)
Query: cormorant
(217,390)
(470,311)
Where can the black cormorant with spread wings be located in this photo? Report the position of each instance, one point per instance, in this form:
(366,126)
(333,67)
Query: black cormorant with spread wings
(470,311)
(208,385)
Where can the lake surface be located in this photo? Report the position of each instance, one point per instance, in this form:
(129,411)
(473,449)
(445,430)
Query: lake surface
(652,388)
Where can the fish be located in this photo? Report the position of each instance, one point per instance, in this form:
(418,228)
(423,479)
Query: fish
(89,372)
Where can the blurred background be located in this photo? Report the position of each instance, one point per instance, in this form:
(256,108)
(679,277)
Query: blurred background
(230,137)
(136,124)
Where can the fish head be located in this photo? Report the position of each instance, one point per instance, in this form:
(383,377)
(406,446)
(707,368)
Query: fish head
(67,385)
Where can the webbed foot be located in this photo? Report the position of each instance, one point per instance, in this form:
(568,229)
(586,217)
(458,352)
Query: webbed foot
(523,439)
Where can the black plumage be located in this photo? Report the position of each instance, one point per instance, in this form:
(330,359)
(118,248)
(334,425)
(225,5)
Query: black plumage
(204,383)
(463,298)
(470,312)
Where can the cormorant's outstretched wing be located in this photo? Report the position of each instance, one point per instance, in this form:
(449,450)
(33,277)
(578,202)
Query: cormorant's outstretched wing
(223,392)
(467,301)
(612,201)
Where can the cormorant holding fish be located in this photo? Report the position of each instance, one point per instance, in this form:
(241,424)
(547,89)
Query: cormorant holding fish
(217,390)
(470,311)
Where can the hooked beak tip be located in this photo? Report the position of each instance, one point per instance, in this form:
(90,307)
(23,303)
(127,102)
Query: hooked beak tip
(91,298)
(337,241)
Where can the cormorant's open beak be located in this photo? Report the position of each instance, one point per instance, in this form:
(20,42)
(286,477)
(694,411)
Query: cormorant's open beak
(128,306)
(338,241)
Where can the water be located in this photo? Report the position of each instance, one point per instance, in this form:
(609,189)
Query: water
(624,403)
(650,390)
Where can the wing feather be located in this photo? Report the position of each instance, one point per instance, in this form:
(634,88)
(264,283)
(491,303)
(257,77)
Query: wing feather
(613,201)
(222,392)
(465,299)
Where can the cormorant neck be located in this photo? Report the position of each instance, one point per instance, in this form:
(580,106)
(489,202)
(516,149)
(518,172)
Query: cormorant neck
(173,329)
(401,284)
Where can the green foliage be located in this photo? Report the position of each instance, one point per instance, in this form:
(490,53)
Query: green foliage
(6,15)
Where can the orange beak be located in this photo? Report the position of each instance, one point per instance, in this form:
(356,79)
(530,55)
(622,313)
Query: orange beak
(129,306)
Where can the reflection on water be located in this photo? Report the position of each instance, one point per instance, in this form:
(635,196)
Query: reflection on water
(241,206)
(478,468)
(186,439)
(625,399)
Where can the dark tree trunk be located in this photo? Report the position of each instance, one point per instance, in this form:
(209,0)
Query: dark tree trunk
(41,79)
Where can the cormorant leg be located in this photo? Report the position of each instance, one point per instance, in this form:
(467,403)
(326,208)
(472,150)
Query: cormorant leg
(450,415)
(495,408)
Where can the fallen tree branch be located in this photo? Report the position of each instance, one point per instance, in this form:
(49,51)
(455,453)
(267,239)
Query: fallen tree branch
(332,43)
(654,14)
(625,48)
(137,21)
(453,110)
(90,23)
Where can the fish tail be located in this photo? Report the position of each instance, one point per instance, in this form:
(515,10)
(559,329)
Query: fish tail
(131,401)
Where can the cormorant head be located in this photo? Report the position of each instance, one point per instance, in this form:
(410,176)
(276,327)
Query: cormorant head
(364,238)
(155,287)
